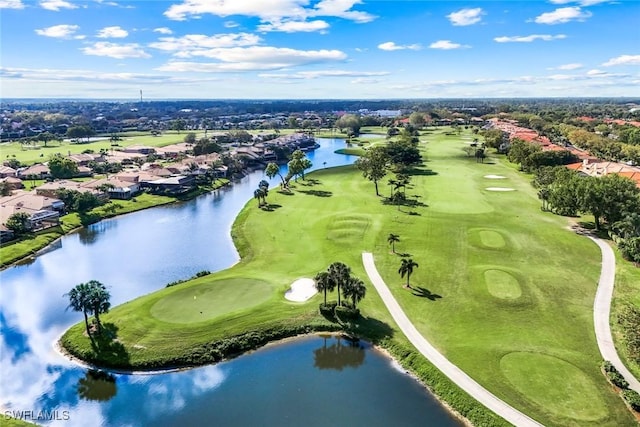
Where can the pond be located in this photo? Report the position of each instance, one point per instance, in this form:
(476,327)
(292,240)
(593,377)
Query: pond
(133,255)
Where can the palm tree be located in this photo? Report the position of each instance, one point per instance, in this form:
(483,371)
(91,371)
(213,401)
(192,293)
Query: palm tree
(272,170)
(323,282)
(392,239)
(339,273)
(98,300)
(259,194)
(407,267)
(79,301)
(355,289)
(392,183)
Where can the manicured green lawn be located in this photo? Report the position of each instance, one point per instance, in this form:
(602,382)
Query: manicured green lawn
(625,293)
(504,290)
(41,153)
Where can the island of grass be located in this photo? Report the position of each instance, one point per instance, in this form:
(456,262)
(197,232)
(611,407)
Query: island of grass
(503,290)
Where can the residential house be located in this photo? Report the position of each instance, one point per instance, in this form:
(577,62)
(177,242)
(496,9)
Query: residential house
(6,171)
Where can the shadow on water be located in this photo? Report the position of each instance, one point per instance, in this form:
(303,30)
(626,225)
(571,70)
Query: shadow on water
(341,354)
(97,385)
(425,293)
(317,193)
(108,348)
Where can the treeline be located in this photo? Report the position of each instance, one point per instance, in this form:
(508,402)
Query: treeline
(604,147)
(613,200)
(531,156)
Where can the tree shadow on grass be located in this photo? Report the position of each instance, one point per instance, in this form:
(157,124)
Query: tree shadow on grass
(375,330)
(425,293)
(421,172)
(270,207)
(107,348)
(317,193)
(286,192)
(310,182)
(403,254)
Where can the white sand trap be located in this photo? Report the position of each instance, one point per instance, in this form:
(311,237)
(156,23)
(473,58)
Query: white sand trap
(500,189)
(495,177)
(301,290)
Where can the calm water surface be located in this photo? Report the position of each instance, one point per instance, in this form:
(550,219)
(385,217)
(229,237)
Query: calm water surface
(141,252)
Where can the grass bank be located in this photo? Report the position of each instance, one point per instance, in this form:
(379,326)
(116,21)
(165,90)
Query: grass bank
(29,245)
(504,290)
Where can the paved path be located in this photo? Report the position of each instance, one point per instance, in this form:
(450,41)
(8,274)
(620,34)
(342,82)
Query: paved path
(602,313)
(454,373)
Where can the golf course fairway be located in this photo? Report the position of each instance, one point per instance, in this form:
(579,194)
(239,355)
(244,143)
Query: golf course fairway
(503,290)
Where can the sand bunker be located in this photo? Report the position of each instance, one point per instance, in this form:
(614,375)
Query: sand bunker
(495,177)
(301,290)
(500,189)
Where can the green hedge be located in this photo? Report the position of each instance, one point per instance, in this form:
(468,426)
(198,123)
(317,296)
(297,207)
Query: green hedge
(633,399)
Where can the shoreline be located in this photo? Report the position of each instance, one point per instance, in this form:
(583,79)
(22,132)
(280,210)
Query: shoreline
(60,350)
(40,251)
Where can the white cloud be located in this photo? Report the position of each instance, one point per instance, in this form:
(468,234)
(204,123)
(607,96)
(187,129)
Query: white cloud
(112,33)
(446,45)
(623,60)
(162,30)
(231,24)
(253,58)
(56,5)
(307,75)
(11,4)
(528,39)
(563,15)
(392,46)
(466,16)
(114,50)
(573,66)
(295,26)
(274,12)
(341,9)
(191,42)
(62,31)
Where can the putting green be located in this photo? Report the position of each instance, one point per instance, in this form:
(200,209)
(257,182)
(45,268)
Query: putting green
(487,238)
(502,284)
(571,394)
(209,300)
(492,239)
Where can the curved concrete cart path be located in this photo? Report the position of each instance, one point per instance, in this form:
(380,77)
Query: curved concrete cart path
(454,373)
(602,313)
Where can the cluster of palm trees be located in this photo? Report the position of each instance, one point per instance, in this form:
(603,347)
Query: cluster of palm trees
(338,277)
(90,298)
(261,193)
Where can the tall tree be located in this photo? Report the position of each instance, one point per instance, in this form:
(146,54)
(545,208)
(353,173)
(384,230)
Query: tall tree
(355,290)
(392,239)
(79,298)
(62,167)
(373,164)
(19,223)
(272,170)
(323,282)
(98,300)
(339,273)
(406,268)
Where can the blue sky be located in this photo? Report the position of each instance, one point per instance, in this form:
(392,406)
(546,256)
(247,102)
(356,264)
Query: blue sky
(252,49)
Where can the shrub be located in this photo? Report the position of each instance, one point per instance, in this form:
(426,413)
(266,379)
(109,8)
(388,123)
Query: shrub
(633,399)
(629,319)
(349,313)
(328,308)
(617,379)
